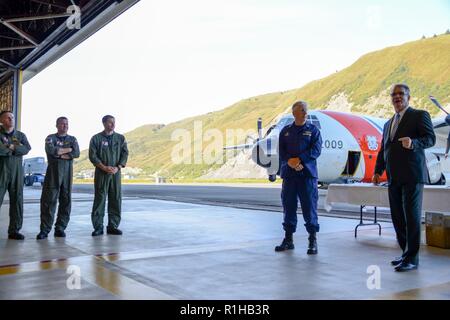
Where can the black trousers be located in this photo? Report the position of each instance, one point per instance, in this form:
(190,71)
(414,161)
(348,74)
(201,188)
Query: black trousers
(406,211)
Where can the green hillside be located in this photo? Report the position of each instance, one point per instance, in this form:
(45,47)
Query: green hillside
(424,65)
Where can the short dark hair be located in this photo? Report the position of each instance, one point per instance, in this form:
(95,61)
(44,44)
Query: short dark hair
(401,85)
(107,117)
(60,119)
(5,112)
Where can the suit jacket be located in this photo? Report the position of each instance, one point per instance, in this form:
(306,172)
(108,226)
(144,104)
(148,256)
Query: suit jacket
(405,166)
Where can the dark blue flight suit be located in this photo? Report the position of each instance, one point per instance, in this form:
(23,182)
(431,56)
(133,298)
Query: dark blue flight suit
(304,142)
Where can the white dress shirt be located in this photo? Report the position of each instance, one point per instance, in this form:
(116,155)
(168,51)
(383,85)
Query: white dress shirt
(402,113)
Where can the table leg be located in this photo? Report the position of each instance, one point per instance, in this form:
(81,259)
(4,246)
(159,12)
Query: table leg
(361,223)
(376,222)
(360,219)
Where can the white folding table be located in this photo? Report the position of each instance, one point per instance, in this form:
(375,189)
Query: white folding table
(435,198)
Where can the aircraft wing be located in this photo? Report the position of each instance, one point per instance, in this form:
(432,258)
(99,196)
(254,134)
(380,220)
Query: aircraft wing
(437,151)
(441,122)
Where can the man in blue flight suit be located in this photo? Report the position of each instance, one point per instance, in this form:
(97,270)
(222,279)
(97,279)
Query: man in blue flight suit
(300,144)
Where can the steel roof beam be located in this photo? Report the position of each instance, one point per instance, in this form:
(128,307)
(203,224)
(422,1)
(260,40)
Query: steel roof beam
(32,18)
(17,48)
(7,63)
(10,38)
(4,73)
(56,4)
(20,32)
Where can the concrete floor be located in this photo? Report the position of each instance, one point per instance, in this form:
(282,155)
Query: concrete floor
(263,196)
(173,250)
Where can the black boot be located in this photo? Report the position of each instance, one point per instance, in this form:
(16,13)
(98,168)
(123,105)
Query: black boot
(312,246)
(97,232)
(60,234)
(287,244)
(16,236)
(114,231)
(41,235)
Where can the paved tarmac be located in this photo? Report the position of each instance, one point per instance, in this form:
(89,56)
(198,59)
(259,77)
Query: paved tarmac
(176,250)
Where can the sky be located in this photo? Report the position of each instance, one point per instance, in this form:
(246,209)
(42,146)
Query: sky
(162,61)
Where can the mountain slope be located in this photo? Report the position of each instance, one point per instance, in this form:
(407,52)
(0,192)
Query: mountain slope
(424,65)
(363,87)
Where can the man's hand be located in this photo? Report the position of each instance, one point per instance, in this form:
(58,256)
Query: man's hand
(12,147)
(376,179)
(106,169)
(406,142)
(299,167)
(111,170)
(446,156)
(293,163)
(65,157)
(64,151)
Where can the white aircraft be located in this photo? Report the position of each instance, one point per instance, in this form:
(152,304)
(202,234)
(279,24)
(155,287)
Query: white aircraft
(349,149)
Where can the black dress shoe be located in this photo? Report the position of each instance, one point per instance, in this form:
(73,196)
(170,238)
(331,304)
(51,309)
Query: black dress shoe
(60,234)
(41,235)
(114,231)
(16,236)
(285,245)
(97,232)
(312,245)
(397,261)
(405,266)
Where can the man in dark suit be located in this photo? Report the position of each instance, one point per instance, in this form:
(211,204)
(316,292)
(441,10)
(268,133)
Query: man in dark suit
(402,155)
